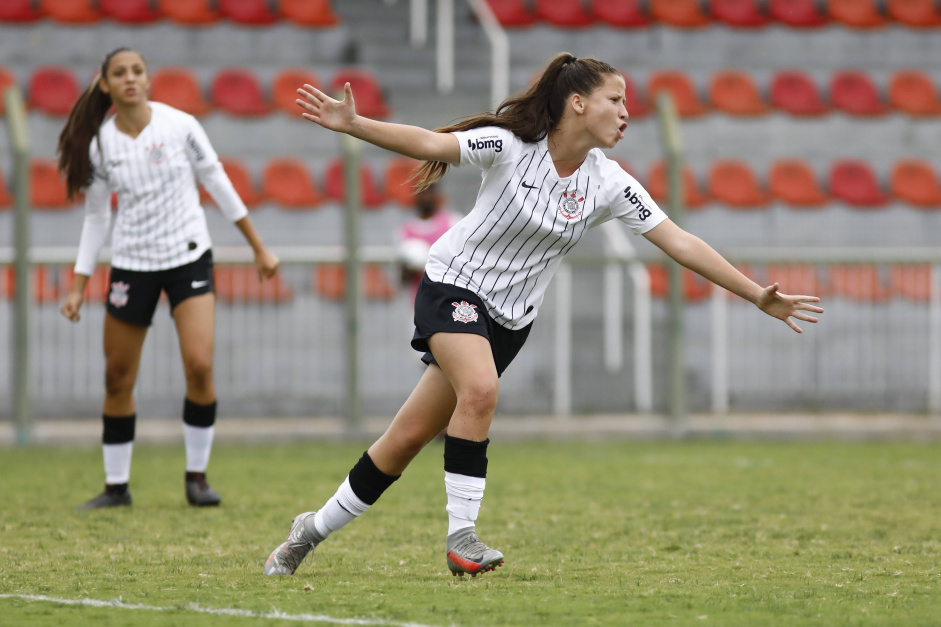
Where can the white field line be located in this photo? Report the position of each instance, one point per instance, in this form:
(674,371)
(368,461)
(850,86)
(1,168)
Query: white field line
(275,614)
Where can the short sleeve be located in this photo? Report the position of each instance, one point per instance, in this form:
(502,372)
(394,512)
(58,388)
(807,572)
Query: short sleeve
(632,204)
(486,146)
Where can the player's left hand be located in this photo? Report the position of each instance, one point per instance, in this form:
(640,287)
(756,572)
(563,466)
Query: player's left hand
(266,263)
(785,306)
(332,114)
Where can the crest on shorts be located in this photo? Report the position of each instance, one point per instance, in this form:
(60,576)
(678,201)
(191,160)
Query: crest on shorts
(571,205)
(156,154)
(118,294)
(464,312)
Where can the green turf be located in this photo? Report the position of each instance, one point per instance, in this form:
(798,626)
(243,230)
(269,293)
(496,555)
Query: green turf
(608,534)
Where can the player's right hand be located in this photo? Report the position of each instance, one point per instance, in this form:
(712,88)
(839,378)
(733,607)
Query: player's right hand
(335,115)
(73,303)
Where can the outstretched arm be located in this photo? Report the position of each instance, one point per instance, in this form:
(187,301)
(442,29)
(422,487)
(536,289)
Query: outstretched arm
(411,141)
(697,255)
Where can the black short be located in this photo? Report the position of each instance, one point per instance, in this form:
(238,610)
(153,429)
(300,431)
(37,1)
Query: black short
(133,295)
(445,308)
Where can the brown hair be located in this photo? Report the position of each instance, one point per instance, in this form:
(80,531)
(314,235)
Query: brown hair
(534,113)
(82,126)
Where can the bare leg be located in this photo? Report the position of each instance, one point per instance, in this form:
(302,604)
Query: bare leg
(123,343)
(195,325)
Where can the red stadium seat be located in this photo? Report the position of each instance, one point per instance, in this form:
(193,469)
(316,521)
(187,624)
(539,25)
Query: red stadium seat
(248,12)
(189,12)
(796,93)
(853,182)
(657,186)
(911,281)
(679,13)
(367,92)
(130,11)
(695,287)
(7,79)
(6,198)
(241,284)
(18,11)
(735,93)
(798,13)
(287,182)
(854,93)
(237,91)
(733,183)
(53,90)
(858,282)
(621,13)
(179,88)
(636,107)
(335,187)
(70,11)
(914,92)
(916,183)
(798,279)
(285,85)
(511,13)
(678,85)
(330,282)
(309,12)
(564,13)
(856,13)
(915,13)
(400,187)
(241,181)
(740,13)
(46,187)
(795,183)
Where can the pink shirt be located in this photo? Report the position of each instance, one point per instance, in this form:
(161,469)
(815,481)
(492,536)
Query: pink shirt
(429,230)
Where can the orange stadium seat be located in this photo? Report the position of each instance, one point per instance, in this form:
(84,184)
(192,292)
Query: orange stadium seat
(335,187)
(399,186)
(6,199)
(735,93)
(180,88)
(240,284)
(858,282)
(914,92)
(18,11)
(189,12)
(370,100)
(679,13)
(564,13)
(241,181)
(740,13)
(285,85)
(854,93)
(238,92)
(46,188)
(798,13)
(695,287)
(7,79)
(632,99)
(512,13)
(799,279)
(287,182)
(621,13)
(657,185)
(796,93)
(309,12)
(70,11)
(248,12)
(53,90)
(915,182)
(733,183)
(911,281)
(330,282)
(130,11)
(853,182)
(795,183)
(856,13)
(680,86)
(916,13)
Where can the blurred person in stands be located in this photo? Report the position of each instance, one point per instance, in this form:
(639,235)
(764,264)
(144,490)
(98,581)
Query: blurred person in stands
(545,181)
(415,237)
(151,155)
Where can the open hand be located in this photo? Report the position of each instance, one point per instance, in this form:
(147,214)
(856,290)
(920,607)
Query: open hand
(784,306)
(335,115)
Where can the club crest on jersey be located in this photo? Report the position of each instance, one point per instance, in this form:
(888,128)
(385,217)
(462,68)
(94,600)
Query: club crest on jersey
(572,204)
(156,154)
(464,312)
(118,294)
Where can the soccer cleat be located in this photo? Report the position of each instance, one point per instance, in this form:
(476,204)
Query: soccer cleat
(111,497)
(302,539)
(467,554)
(198,490)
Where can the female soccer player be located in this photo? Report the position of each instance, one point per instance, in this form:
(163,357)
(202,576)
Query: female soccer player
(545,180)
(151,155)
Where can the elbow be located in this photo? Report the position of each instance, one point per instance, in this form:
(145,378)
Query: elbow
(683,249)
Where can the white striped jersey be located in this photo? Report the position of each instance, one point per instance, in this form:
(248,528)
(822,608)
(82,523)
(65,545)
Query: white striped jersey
(526,218)
(160,223)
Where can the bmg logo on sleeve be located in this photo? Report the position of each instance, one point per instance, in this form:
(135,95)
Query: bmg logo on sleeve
(486,142)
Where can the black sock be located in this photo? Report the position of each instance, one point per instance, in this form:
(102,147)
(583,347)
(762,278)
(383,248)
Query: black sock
(465,457)
(367,481)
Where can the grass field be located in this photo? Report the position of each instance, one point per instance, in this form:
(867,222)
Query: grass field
(594,534)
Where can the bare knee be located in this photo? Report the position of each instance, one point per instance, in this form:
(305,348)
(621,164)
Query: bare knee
(119,378)
(198,370)
(479,397)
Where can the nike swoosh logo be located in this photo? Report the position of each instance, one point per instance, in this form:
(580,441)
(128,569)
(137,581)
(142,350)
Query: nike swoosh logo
(528,186)
(198,284)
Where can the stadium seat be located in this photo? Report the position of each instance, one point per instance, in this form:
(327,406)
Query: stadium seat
(130,11)
(7,79)
(285,85)
(798,13)
(237,91)
(512,13)
(370,100)
(801,279)
(657,186)
(915,13)
(564,13)
(735,93)
(912,282)
(679,13)
(189,12)
(795,183)
(241,181)
(695,287)
(680,86)
(180,88)
(18,11)
(239,283)
(853,182)
(309,12)
(914,92)
(856,13)
(858,282)
(70,11)
(335,187)
(330,282)
(796,93)
(916,183)
(636,107)
(739,13)
(46,188)
(621,13)
(733,183)
(53,90)
(399,186)
(287,182)
(6,198)
(247,12)
(854,93)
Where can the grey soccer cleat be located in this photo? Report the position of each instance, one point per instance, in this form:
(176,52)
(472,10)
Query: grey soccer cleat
(198,490)
(467,554)
(302,539)
(109,498)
